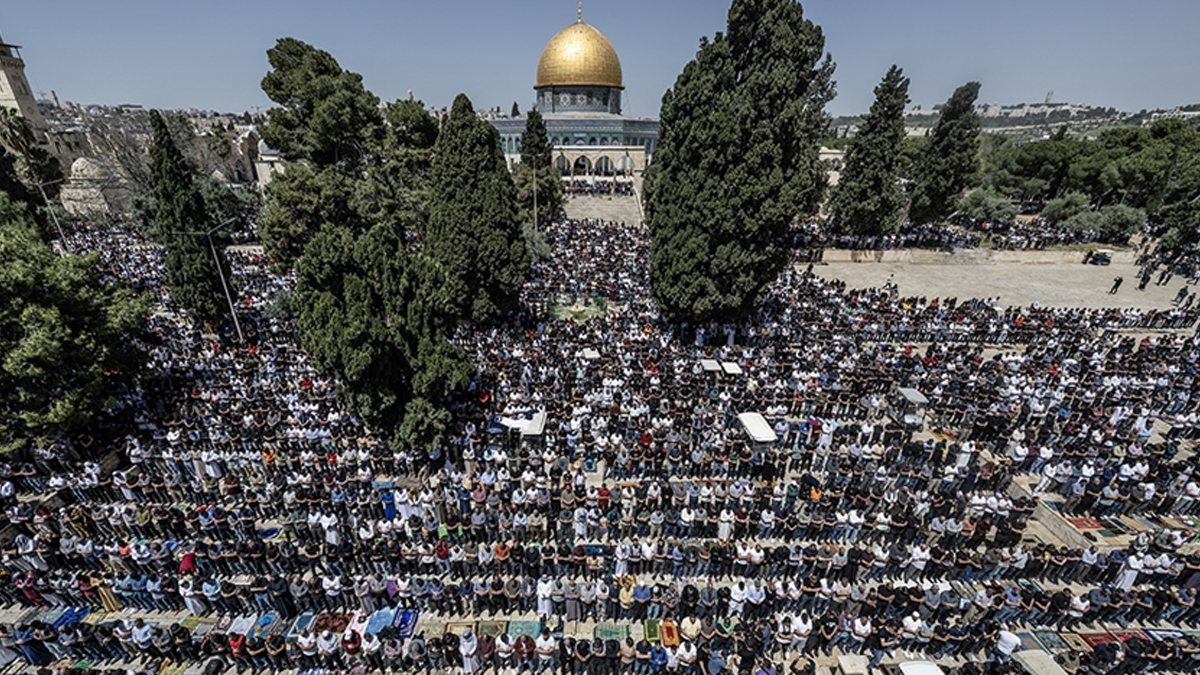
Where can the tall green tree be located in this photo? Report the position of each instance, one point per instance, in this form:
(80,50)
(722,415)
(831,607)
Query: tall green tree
(348,214)
(868,199)
(324,113)
(376,315)
(1036,171)
(193,275)
(535,141)
(473,229)
(950,163)
(66,339)
(539,184)
(738,160)
(331,129)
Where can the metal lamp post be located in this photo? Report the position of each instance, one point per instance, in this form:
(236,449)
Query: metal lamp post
(221,272)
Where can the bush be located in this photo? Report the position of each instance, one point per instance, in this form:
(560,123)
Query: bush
(988,205)
(1066,207)
(1110,220)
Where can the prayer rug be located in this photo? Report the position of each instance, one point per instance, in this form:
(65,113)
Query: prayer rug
(264,624)
(1075,642)
(457,627)
(380,619)
(96,616)
(1051,640)
(334,623)
(1164,635)
(1085,523)
(1028,641)
(243,625)
(1126,635)
(1097,639)
(610,631)
(303,621)
(650,631)
(406,623)
(492,628)
(518,628)
(670,633)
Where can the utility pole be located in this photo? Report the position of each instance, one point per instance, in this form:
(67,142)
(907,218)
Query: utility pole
(221,272)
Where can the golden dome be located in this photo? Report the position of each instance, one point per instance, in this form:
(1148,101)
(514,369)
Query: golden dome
(579,55)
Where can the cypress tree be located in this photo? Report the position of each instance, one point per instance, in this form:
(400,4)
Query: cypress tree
(537,160)
(868,199)
(535,141)
(738,160)
(473,232)
(950,162)
(192,272)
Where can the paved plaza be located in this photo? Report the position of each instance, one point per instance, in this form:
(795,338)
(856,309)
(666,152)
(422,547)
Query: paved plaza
(1048,284)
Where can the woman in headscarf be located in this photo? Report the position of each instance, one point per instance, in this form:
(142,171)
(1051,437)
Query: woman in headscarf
(468,647)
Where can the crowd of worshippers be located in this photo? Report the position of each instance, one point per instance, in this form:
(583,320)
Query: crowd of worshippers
(226,438)
(964,234)
(817,235)
(1039,234)
(598,187)
(592,259)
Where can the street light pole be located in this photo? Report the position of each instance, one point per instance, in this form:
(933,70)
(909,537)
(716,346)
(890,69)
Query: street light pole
(62,238)
(221,273)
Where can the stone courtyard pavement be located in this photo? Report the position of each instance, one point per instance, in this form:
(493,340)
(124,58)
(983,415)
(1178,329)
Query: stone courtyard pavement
(1018,284)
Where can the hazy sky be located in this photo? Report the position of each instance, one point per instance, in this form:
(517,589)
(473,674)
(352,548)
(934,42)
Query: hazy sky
(211,54)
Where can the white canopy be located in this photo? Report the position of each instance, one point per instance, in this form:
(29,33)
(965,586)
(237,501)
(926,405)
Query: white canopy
(731,368)
(590,354)
(710,366)
(914,396)
(536,426)
(757,428)
(1038,662)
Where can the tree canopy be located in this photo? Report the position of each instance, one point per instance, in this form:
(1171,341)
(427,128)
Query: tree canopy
(950,162)
(868,199)
(738,160)
(193,275)
(536,153)
(325,115)
(35,165)
(473,232)
(67,341)
(350,213)
(374,314)
(988,205)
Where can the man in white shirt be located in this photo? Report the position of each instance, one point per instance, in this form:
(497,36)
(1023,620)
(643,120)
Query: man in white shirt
(546,648)
(1006,643)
